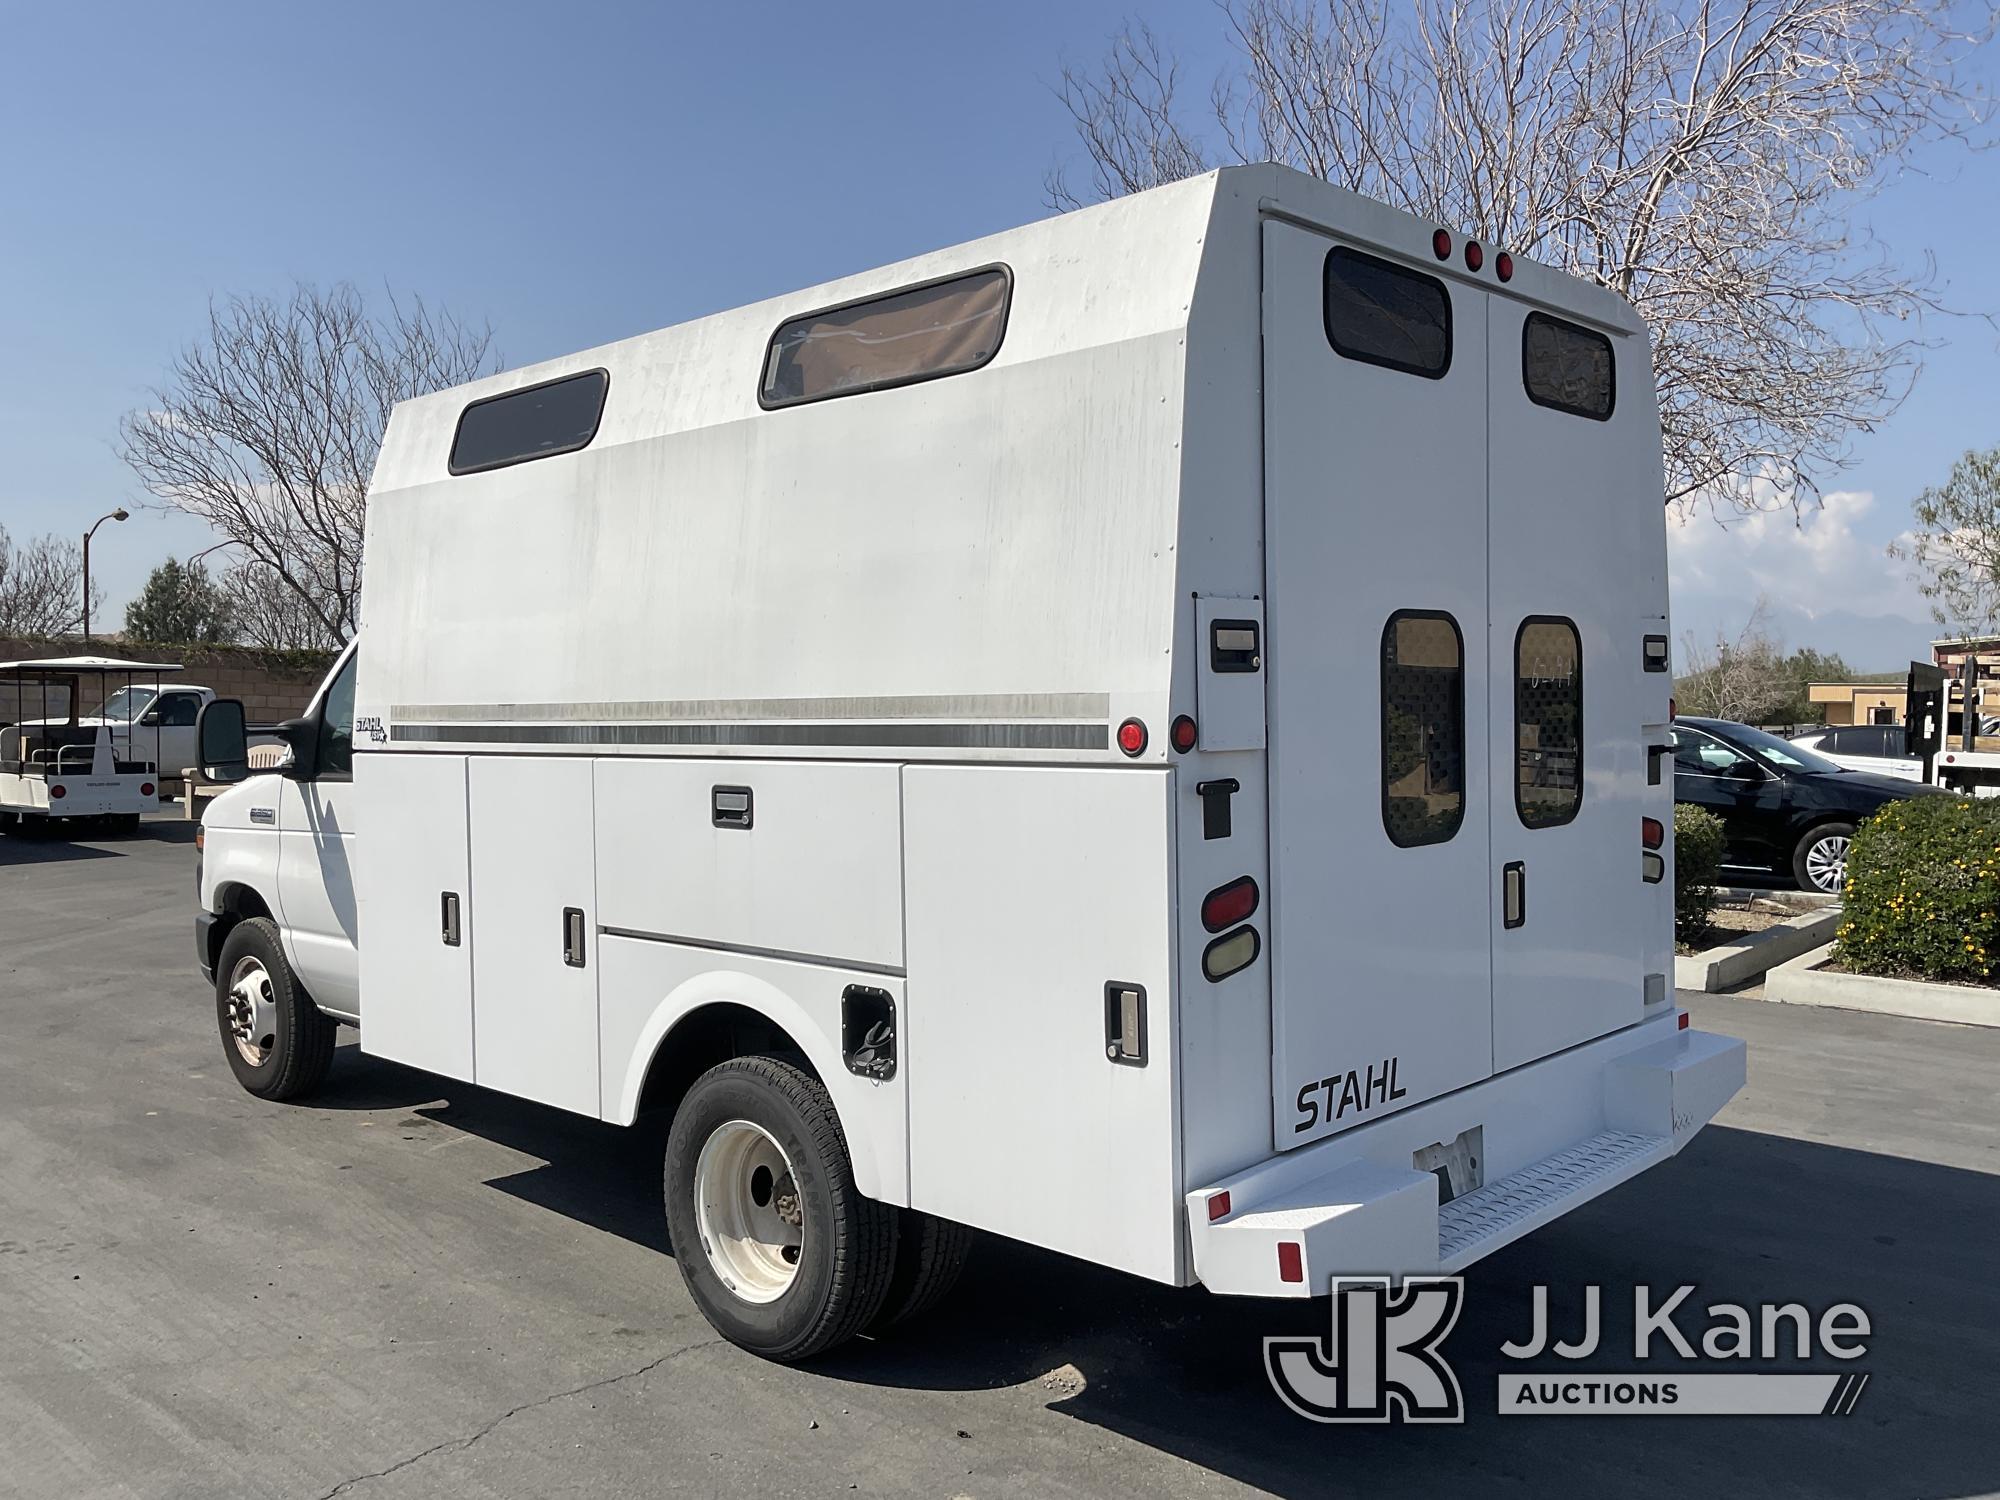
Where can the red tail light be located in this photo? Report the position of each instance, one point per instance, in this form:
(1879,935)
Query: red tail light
(1474,256)
(1229,904)
(1132,737)
(1218,1207)
(1503,266)
(145,789)
(57,793)
(1652,833)
(1441,244)
(1182,734)
(1291,1261)
(1683,1022)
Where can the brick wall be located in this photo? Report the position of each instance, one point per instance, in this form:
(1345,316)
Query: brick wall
(272,684)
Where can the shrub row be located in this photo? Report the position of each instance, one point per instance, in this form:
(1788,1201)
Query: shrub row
(1923,892)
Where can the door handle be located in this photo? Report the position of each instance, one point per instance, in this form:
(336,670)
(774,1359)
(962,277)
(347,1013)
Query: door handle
(573,936)
(1514,893)
(448,918)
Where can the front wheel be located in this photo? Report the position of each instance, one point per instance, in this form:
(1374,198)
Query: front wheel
(278,1043)
(779,1249)
(1820,861)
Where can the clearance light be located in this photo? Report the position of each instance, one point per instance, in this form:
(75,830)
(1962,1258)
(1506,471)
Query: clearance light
(1441,244)
(1291,1262)
(1503,265)
(1652,833)
(1474,256)
(1218,1206)
(1230,952)
(1132,737)
(1682,1024)
(1182,735)
(1229,904)
(57,793)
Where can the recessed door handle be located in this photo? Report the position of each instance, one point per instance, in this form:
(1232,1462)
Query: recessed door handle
(448,918)
(1514,893)
(573,936)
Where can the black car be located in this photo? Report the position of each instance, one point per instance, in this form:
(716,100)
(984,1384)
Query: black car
(1783,807)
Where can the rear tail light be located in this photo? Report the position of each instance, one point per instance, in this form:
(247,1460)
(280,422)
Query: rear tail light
(1229,904)
(1218,1206)
(145,789)
(57,793)
(1291,1261)
(1182,734)
(1652,832)
(1682,1024)
(1441,244)
(1474,256)
(1503,266)
(1230,952)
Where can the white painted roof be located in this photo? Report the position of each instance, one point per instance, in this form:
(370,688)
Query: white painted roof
(69,664)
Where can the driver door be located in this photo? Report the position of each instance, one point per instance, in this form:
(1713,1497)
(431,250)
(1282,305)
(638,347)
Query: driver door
(1718,777)
(315,847)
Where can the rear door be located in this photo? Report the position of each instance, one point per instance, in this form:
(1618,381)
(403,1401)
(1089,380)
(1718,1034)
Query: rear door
(1375,560)
(1566,744)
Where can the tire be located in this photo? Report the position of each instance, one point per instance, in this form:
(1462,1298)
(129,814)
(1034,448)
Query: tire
(1822,857)
(285,1043)
(125,825)
(784,1301)
(930,1254)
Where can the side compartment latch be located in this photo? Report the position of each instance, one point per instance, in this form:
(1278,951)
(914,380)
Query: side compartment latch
(1125,1023)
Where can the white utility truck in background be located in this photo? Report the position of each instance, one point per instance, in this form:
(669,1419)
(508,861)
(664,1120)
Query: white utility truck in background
(1142,734)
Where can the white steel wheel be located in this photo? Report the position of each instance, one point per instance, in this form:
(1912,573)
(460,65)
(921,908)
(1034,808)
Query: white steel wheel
(253,1010)
(749,1211)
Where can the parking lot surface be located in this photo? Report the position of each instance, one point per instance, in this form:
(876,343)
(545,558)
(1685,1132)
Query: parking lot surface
(412,1287)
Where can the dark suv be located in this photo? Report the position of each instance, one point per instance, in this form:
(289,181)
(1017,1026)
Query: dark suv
(1783,807)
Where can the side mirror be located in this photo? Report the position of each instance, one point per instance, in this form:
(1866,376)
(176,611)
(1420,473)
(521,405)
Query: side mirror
(149,719)
(222,740)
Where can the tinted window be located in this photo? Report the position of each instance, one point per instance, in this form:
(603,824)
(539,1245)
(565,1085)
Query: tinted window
(336,727)
(1382,313)
(1423,728)
(558,416)
(1567,367)
(1702,755)
(178,710)
(1548,722)
(946,328)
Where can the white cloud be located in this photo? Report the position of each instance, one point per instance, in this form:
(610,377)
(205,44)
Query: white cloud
(1818,562)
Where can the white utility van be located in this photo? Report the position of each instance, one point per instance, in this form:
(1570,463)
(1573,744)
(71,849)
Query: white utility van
(1142,734)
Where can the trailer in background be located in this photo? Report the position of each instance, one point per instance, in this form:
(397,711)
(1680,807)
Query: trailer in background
(59,768)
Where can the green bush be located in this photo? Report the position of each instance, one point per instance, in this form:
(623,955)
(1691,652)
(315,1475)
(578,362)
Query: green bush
(1697,862)
(1923,892)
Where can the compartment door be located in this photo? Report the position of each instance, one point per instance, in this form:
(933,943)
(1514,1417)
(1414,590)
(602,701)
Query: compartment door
(411,878)
(534,971)
(1382,891)
(1566,495)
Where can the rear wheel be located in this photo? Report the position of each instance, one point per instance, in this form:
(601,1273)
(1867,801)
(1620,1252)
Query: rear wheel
(1820,861)
(779,1249)
(278,1043)
(930,1254)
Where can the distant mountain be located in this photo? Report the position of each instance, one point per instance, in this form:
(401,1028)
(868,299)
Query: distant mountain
(1867,643)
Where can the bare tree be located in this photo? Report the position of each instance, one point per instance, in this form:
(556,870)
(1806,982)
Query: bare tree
(267,429)
(1742,678)
(41,587)
(1954,551)
(1701,159)
(267,611)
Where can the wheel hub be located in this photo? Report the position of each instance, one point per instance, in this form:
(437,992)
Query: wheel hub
(252,1011)
(749,1211)
(1826,863)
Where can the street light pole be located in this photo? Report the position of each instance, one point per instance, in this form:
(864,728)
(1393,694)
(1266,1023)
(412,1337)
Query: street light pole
(117,515)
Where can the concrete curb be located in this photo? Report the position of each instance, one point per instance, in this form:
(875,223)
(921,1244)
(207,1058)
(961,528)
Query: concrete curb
(1755,953)
(1799,982)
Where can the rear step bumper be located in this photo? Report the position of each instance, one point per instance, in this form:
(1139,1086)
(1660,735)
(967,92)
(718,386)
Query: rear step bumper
(1556,1133)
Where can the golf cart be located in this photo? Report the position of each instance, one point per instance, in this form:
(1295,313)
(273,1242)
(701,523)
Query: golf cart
(59,769)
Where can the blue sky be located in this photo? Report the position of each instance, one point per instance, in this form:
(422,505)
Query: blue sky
(582,172)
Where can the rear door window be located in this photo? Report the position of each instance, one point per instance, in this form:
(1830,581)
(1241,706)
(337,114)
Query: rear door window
(1548,721)
(1423,728)
(1567,367)
(1384,314)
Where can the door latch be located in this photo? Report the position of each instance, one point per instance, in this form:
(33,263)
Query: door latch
(573,936)
(448,917)
(1125,1023)
(1514,893)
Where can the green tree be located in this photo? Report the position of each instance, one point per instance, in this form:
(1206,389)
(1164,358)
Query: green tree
(180,604)
(1954,550)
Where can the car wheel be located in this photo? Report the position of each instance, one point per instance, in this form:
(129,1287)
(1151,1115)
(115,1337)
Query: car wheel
(1820,861)
(278,1043)
(779,1249)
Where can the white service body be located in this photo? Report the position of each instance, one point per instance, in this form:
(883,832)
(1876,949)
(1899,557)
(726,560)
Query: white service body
(910,624)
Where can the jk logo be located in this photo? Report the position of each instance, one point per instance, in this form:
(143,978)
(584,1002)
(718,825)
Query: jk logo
(1382,1363)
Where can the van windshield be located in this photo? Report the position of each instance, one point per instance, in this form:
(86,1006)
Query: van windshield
(1782,752)
(126,703)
